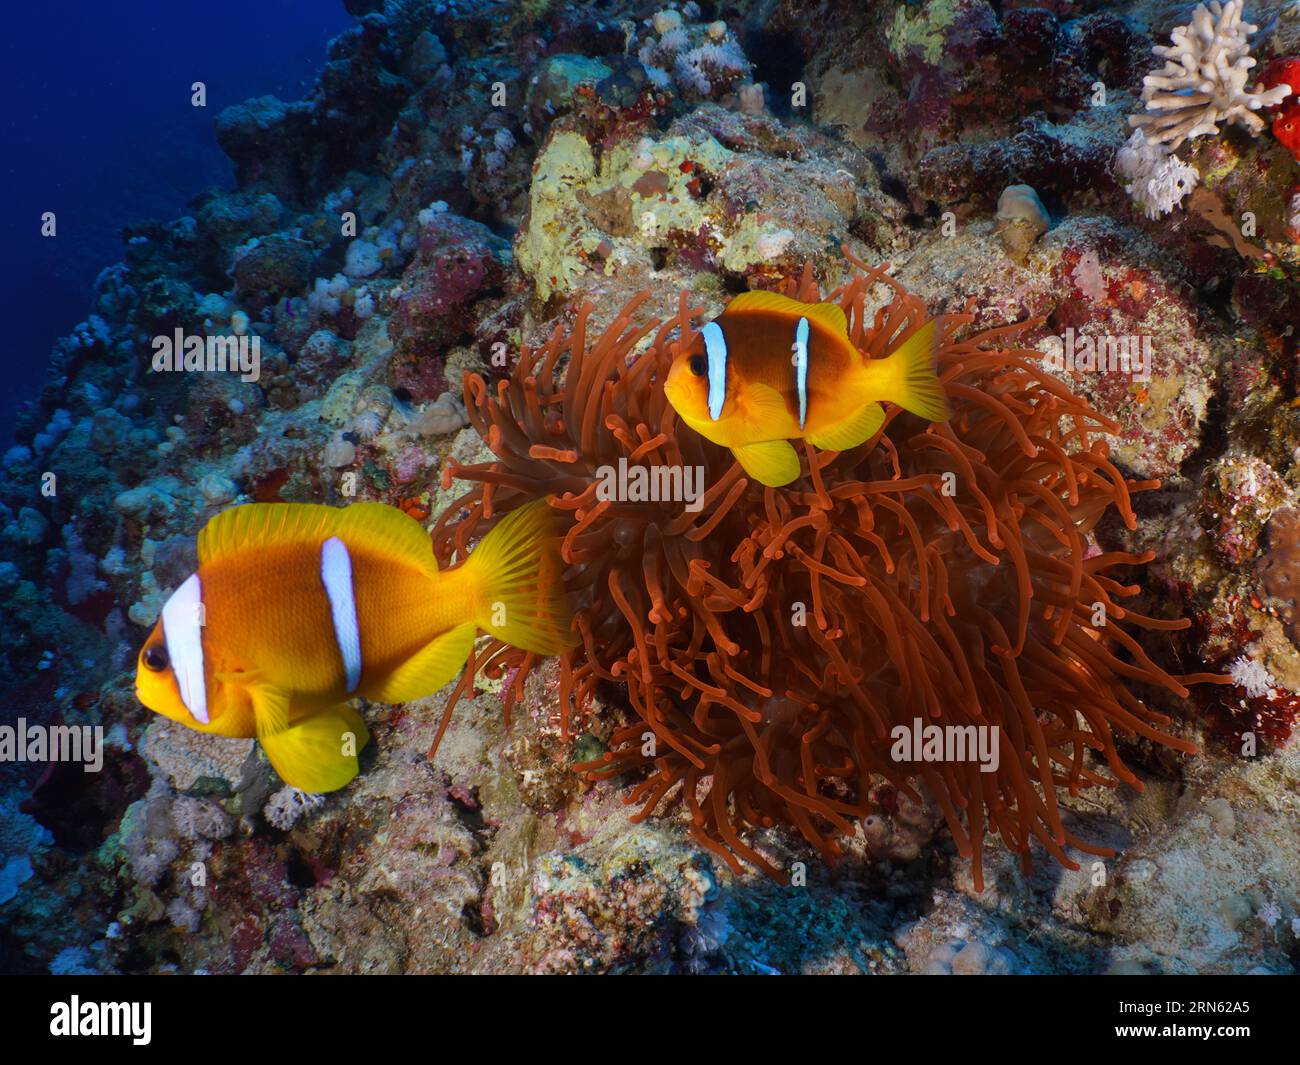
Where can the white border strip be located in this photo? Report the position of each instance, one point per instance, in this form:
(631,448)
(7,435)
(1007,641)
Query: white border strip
(336,574)
(183,630)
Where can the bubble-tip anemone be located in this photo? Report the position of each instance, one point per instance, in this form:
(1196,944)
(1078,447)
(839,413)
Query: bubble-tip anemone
(943,571)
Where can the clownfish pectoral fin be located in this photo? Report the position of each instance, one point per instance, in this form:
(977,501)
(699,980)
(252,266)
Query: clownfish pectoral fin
(852,431)
(270,708)
(317,754)
(773,462)
(763,407)
(429,668)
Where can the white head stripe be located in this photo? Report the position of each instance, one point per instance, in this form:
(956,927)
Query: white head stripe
(182,620)
(801,367)
(336,574)
(716,346)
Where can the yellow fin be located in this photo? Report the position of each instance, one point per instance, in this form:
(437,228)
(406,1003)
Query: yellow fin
(854,430)
(384,529)
(318,754)
(916,385)
(773,462)
(763,406)
(270,708)
(518,576)
(430,668)
(829,314)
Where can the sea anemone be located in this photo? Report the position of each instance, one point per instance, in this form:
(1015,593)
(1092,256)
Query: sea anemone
(367,424)
(769,641)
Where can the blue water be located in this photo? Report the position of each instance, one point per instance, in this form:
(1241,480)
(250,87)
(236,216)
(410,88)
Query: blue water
(98,127)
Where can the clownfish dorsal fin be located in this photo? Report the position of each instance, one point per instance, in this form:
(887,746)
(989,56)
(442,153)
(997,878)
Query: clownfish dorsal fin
(830,315)
(374,526)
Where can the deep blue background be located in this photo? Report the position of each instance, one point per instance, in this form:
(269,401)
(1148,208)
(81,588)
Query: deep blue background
(98,128)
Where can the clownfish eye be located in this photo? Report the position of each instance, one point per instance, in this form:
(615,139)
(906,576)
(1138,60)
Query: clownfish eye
(155,658)
(699,365)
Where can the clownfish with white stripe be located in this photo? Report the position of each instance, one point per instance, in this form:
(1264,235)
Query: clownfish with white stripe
(297,608)
(771,369)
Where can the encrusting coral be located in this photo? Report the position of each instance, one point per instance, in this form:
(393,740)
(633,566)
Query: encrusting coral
(1203,81)
(771,639)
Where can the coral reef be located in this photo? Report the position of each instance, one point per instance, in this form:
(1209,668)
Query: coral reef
(515,194)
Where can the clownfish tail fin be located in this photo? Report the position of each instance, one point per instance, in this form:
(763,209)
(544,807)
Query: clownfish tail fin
(918,388)
(520,585)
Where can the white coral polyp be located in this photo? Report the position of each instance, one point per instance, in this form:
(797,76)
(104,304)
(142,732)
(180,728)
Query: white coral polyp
(1252,675)
(1203,81)
(1156,178)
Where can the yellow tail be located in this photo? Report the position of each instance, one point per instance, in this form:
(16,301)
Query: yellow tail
(519,576)
(917,386)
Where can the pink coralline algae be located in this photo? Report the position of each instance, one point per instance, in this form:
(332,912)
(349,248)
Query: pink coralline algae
(411,462)
(458,261)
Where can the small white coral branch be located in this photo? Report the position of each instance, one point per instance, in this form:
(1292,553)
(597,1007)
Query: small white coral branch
(1203,81)
(1252,675)
(1156,179)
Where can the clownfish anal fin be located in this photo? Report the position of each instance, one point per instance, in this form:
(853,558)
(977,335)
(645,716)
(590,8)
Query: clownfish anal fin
(317,754)
(429,668)
(773,462)
(852,431)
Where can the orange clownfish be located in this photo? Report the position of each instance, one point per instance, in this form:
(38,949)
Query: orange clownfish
(297,608)
(770,369)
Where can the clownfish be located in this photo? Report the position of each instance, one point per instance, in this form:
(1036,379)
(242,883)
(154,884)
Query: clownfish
(770,369)
(297,608)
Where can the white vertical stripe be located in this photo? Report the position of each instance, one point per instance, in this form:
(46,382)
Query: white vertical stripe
(336,573)
(801,367)
(716,346)
(182,619)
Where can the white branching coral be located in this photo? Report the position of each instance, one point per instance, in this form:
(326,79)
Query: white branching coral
(1157,179)
(1203,81)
